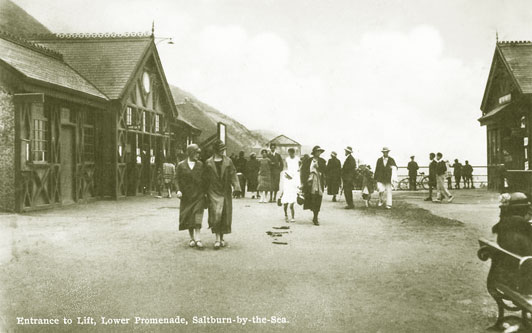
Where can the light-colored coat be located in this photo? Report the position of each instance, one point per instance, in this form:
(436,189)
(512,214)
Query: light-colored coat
(219,189)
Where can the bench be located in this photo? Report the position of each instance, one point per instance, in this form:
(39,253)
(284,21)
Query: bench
(509,280)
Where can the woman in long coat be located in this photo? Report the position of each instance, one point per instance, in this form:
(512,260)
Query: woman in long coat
(220,179)
(265,176)
(312,179)
(252,173)
(334,176)
(191,191)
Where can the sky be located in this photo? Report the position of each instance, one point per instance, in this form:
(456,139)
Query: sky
(409,75)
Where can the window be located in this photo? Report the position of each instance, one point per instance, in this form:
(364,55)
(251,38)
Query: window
(88,143)
(144,121)
(156,123)
(39,141)
(129,116)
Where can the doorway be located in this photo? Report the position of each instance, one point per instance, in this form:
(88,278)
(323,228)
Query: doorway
(67,164)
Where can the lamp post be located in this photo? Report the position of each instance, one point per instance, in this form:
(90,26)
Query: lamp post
(162,39)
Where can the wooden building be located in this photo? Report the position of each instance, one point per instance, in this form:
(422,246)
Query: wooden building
(93,117)
(284,143)
(506,113)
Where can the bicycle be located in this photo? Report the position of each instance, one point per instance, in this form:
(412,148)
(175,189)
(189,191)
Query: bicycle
(422,181)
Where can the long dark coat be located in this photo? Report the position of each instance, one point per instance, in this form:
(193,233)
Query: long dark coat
(312,201)
(252,174)
(219,189)
(190,183)
(349,171)
(277,167)
(334,176)
(383,173)
(432,172)
(412,167)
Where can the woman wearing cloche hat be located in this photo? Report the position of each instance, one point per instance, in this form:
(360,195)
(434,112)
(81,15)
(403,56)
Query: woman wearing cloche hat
(312,180)
(220,180)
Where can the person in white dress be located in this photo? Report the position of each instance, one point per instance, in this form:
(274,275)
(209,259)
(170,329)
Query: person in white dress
(290,184)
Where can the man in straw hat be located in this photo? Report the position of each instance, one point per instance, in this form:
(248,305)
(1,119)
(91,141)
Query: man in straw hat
(312,179)
(348,176)
(385,172)
(220,181)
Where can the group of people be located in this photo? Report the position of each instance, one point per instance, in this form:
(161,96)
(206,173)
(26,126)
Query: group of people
(261,176)
(210,186)
(344,176)
(213,184)
(460,172)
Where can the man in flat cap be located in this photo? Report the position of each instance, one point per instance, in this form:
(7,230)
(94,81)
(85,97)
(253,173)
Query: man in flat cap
(412,173)
(348,176)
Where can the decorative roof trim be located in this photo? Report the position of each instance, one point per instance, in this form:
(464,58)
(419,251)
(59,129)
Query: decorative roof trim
(30,45)
(90,36)
(514,42)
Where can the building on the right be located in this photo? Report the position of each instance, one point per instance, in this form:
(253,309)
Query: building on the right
(506,112)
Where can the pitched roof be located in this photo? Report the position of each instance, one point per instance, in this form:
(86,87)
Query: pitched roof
(518,57)
(44,65)
(283,140)
(107,60)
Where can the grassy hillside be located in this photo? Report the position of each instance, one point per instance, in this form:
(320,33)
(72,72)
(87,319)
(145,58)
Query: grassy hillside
(17,21)
(206,118)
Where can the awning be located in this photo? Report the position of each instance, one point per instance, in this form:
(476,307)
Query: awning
(492,113)
(183,122)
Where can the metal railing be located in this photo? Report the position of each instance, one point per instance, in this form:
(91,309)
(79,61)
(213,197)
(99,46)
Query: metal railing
(480,174)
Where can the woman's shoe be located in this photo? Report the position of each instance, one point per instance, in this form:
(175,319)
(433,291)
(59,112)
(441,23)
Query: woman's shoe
(293,220)
(217,245)
(286,219)
(192,243)
(199,244)
(223,243)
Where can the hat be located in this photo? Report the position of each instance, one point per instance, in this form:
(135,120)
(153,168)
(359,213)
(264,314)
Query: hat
(349,149)
(317,148)
(219,146)
(516,199)
(412,156)
(334,154)
(385,149)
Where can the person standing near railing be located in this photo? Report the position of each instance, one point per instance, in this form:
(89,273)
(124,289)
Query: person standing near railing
(412,173)
(457,170)
(467,174)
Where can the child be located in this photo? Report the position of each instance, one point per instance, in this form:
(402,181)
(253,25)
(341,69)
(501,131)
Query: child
(368,183)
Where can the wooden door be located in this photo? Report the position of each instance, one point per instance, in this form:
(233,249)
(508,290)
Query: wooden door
(67,164)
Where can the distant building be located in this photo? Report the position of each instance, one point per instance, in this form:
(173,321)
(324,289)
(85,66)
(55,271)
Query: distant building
(83,116)
(506,113)
(284,143)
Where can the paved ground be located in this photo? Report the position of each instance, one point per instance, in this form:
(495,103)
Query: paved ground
(363,270)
